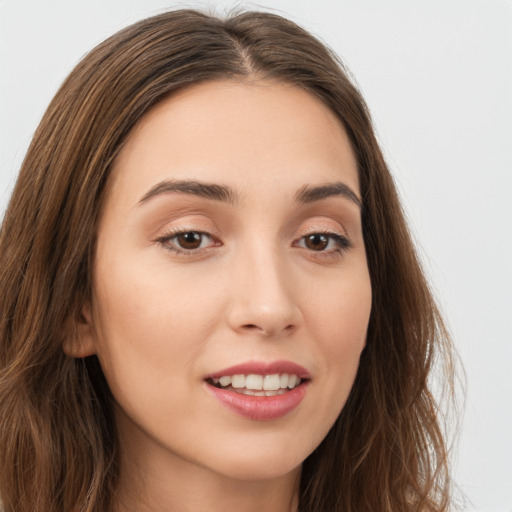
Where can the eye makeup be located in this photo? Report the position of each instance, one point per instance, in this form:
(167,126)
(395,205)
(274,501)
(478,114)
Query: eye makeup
(187,242)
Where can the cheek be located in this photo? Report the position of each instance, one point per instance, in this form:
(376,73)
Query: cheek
(339,312)
(149,302)
(150,325)
(151,331)
(338,321)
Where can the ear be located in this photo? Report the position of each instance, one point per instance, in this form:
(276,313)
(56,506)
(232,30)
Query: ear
(80,338)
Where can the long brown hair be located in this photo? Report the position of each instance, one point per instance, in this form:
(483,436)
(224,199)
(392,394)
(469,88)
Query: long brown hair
(58,443)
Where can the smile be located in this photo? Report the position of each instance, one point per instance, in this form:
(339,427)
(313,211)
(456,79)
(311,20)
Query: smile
(260,391)
(257,385)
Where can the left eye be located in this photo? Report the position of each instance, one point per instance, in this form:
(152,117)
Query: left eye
(187,241)
(323,242)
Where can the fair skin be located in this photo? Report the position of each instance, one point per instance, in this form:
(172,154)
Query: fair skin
(267,273)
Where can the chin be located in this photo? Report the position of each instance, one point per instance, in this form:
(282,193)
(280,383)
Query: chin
(259,470)
(262,460)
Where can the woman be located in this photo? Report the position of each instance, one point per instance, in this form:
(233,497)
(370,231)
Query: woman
(210,299)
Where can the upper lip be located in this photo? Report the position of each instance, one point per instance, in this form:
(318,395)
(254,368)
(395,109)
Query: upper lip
(262,368)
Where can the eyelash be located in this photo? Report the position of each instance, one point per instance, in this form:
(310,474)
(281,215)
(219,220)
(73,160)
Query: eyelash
(168,237)
(342,243)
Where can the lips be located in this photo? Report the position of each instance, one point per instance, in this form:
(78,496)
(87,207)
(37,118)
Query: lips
(260,391)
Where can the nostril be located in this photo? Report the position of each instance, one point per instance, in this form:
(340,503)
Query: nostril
(266,332)
(257,328)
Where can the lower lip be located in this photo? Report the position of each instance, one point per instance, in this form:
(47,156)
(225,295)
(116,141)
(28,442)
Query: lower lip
(260,407)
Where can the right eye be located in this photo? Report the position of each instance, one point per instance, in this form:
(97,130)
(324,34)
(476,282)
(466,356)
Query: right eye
(187,242)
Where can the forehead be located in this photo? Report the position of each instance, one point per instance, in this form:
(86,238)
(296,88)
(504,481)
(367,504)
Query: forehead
(239,134)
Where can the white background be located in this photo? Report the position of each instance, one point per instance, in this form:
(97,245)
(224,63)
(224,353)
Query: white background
(437,75)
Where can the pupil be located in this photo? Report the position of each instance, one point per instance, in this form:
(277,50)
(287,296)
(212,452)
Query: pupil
(317,242)
(190,240)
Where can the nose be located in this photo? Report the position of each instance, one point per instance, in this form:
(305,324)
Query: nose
(263,301)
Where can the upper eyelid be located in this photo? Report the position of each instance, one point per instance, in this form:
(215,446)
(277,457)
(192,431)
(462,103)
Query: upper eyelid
(206,221)
(340,238)
(319,222)
(186,227)
(173,234)
(326,220)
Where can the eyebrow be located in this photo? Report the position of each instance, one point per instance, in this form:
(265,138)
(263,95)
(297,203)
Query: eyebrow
(307,194)
(194,188)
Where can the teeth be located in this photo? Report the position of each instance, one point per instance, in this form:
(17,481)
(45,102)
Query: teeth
(271,382)
(259,385)
(238,381)
(274,393)
(224,381)
(254,382)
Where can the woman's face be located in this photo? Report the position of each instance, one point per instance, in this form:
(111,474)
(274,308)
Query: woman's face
(230,257)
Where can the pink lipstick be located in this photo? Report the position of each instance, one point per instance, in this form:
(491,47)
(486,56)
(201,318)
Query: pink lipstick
(260,391)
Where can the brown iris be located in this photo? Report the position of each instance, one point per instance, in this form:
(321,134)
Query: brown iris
(317,241)
(189,240)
